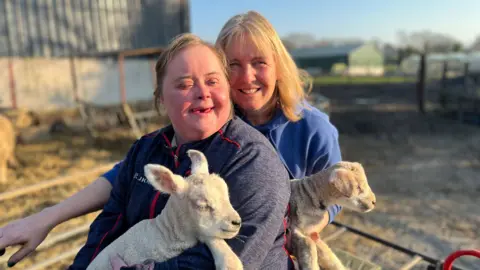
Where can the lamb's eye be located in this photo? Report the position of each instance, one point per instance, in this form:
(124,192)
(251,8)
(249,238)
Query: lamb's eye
(202,205)
(359,189)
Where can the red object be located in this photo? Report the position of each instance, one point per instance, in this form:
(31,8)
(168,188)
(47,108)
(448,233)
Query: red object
(315,236)
(459,253)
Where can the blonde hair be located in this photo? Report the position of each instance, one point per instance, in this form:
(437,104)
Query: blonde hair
(291,80)
(179,43)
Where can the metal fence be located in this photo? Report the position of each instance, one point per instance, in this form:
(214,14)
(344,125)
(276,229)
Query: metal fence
(53,28)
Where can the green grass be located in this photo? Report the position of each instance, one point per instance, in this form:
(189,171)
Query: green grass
(329,80)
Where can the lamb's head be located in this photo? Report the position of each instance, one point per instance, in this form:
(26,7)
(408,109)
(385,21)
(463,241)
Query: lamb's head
(348,187)
(202,195)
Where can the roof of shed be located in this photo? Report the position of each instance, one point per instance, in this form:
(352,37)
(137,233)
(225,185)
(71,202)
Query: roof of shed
(325,51)
(473,57)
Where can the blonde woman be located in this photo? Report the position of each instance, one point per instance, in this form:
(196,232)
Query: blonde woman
(269,93)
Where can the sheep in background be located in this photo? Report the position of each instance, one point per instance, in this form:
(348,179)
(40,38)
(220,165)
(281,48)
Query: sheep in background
(345,184)
(186,212)
(7,147)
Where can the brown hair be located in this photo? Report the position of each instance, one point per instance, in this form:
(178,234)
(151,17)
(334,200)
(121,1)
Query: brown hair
(179,43)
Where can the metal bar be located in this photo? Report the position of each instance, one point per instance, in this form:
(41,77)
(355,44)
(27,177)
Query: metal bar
(54,260)
(414,261)
(335,234)
(51,241)
(54,182)
(389,244)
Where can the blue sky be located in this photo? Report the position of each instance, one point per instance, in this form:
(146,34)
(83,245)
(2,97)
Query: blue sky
(364,19)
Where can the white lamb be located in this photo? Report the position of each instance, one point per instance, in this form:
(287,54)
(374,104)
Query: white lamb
(7,147)
(198,209)
(345,184)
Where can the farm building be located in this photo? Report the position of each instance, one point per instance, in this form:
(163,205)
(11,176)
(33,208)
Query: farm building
(352,59)
(56,52)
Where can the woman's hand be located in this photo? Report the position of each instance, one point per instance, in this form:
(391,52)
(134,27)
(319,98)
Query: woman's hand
(28,232)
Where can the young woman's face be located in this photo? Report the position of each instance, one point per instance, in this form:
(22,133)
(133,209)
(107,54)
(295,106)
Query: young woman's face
(196,94)
(252,74)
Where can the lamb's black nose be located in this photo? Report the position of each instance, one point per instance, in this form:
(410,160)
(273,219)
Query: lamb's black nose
(236,222)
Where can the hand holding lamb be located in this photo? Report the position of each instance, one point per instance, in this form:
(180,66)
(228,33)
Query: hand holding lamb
(199,209)
(345,184)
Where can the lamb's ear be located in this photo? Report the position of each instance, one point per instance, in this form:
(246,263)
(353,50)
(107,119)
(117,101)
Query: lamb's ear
(342,180)
(164,180)
(199,161)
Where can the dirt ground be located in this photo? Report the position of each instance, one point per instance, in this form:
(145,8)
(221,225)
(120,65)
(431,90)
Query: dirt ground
(424,170)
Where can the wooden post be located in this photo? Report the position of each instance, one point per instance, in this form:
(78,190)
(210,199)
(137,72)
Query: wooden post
(421,83)
(73,73)
(11,76)
(152,63)
(444,74)
(121,71)
(466,73)
(463,97)
(11,80)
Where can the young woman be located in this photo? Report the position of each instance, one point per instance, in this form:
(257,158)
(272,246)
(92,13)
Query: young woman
(192,85)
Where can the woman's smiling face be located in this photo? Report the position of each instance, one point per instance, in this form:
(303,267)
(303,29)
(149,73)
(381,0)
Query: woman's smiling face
(196,93)
(252,74)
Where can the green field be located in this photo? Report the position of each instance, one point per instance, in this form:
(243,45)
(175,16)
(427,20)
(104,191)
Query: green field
(329,80)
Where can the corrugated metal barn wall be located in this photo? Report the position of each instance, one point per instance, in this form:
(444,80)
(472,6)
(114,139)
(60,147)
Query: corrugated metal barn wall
(52,28)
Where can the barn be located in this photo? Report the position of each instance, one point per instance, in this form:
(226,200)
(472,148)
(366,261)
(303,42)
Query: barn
(57,52)
(357,59)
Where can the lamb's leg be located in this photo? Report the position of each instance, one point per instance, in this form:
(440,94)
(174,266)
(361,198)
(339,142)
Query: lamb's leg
(303,247)
(13,162)
(326,257)
(225,258)
(3,171)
